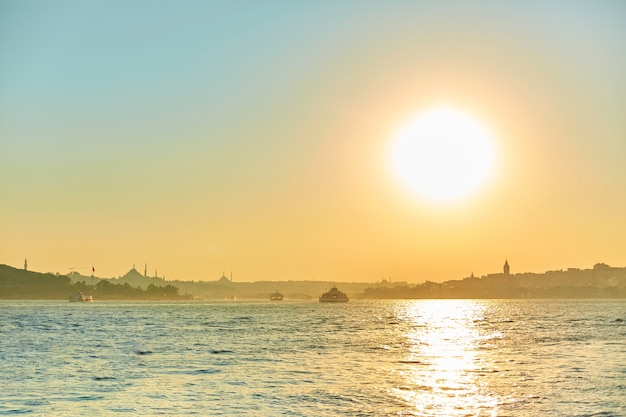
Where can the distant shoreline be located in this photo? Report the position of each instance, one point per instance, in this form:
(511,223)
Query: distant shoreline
(600,282)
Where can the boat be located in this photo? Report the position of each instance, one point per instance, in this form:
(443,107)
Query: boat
(79,297)
(276,296)
(334,296)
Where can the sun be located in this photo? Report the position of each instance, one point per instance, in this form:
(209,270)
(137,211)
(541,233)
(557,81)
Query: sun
(443,154)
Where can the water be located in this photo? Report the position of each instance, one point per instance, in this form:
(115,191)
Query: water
(363,358)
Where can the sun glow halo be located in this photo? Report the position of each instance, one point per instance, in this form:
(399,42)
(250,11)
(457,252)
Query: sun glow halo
(443,154)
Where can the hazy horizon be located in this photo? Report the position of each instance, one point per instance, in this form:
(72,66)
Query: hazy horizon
(263,138)
(144,272)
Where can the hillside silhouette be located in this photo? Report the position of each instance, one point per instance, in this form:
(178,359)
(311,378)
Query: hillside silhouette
(22,284)
(602,281)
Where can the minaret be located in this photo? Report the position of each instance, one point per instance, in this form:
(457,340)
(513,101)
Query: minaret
(506,267)
(25,264)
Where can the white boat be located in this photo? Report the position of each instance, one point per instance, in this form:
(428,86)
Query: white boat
(79,297)
(334,296)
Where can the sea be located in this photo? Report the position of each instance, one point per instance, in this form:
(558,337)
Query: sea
(304,358)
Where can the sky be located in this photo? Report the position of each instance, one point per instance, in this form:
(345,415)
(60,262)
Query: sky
(253,137)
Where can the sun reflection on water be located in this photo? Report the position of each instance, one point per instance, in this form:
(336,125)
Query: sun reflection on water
(446,370)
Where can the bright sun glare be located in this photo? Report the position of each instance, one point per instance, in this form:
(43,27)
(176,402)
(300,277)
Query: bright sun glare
(443,154)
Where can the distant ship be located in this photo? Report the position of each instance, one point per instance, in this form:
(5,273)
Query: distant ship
(79,297)
(334,296)
(276,296)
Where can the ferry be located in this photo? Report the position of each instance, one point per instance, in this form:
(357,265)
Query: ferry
(79,297)
(334,296)
(276,296)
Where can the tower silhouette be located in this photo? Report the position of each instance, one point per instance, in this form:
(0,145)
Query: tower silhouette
(506,268)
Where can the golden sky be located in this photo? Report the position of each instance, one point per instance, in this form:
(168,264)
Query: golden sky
(255,137)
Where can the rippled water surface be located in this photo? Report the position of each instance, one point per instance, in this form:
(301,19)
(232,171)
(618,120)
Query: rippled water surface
(363,358)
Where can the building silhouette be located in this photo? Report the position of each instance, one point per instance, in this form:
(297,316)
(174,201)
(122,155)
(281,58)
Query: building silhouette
(506,268)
